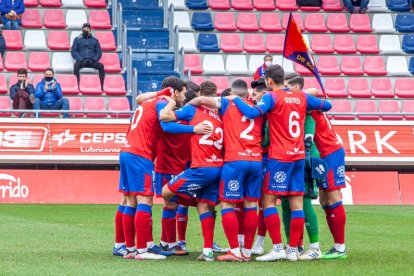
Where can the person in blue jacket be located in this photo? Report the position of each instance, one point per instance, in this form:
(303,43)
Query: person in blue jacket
(48,95)
(11,11)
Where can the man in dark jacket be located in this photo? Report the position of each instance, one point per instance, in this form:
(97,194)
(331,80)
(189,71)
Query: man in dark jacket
(22,92)
(86,51)
(49,94)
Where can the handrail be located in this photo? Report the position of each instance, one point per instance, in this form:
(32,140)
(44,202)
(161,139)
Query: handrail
(114,5)
(119,24)
(165,9)
(175,49)
(188,74)
(181,63)
(171,27)
(134,88)
(129,70)
(124,46)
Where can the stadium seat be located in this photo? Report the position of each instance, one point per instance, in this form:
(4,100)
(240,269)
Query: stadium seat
(275,43)
(114,85)
(336,88)
(390,107)
(95,104)
(62,62)
(14,61)
(377,6)
(374,66)
(5,104)
(230,43)
(58,40)
(248,80)
(242,5)
(207,42)
(390,44)
(315,22)
(398,5)
(382,88)
(337,23)
(3,85)
(270,22)
(100,19)
(328,65)
(397,66)
(332,5)
(201,21)
(182,20)
(404,87)
(301,70)
(178,4)
(75,104)
(13,79)
(222,82)
(366,106)
(30,3)
(106,40)
(408,44)
(119,104)
(367,44)
(247,21)
(404,22)
(50,3)
(73,4)
(408,107)
(360,23)
(213,64)
(73,35)
(13,39)
(90,85)
(197,79)
(253,43)
(342,106)
(95,3)
(224,21)
(39,61)
(75,18)
(344,44)
(54,18)
(236,65)
(382,23)
(264,5)
(187,41)
(197,4)
(31,19)
(219,4)
(351,66)
(193,63)
(311,83)
(287,64)
(111,62)
(69,84)
(322,44)
(37,78)
(286,5)
(254,62)
(298,19)
(359,88)
(411,65)
(35,40)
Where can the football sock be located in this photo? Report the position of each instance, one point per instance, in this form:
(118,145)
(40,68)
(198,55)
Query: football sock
(272,220)
(143,222)
(250,226)
(314,245)
(119,229)
(259,241)
(230,226)
(207,227)
(286,216)
(169,220)
(296,227)
(261,226)
(328,218)
(311,220)
(338,217)
(129,228)
(182,221)
(240,217)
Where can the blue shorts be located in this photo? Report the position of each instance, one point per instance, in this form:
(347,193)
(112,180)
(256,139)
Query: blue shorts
(335,179)
(202,183)
(160,179)
(285,178)
(241,180)
(135,175)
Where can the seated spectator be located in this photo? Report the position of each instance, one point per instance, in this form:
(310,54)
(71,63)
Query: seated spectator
(268,60)
(11,11)
(351,4)
(22,93)
(49,95)
(2,41)
(192,86)
(309,3)
(86,51)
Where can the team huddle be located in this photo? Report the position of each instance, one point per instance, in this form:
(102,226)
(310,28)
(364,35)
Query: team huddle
(241,151)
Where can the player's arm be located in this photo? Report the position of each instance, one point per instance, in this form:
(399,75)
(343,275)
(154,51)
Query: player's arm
(251,112)
(202,100)
(166,114)
(314,103)
(150,95)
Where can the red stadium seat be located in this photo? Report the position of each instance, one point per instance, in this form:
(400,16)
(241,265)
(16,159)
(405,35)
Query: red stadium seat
(75,104)
(99,19)
(114,85)
(366,106)
(224,21)
(54,19)
(253,43)
(298,19)
(90,85)
(404,87)
(193,63)
(408,107)
(336,88)
(58,40)
(301,70)
(5,104)
(106,40)
(31,19)
(37,78)
(344,44)
(39,61)
(342,106)
(270,22)
(14,61)
(322,44)
(95,3)
(30,3)
(374,66)
(247,21)
(13,39)
(328,65)
(367,44)
(230,43)
(197,80)
(248,80)
(264,5)
(50,3)
(359,88)
(219,4)
(311,83)
(119,104)
(337,23)
(351,66)
(3,85)
(286,5)
(332,5)
(382,88)
(242,5)
(360,23)
(221,82)
(275,43)
(95,104)
(315,22)
(390,107)
(13,79)
(69,84)
(111,62)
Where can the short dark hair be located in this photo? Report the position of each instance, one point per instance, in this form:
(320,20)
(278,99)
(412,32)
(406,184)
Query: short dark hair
(189,95)
(226,92)
(22,72)
(193,86)
(208,88)
(294,78)
(276,73)
(49,69)
(173,82)
(239,87)
(261,88)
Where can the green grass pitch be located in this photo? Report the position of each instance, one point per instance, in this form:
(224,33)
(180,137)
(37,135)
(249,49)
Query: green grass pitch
(78,239)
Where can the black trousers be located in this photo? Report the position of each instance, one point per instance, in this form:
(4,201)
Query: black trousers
(88,63)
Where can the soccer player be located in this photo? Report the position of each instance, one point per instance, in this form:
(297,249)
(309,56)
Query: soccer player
(286,112)
(119,247)
(202,178)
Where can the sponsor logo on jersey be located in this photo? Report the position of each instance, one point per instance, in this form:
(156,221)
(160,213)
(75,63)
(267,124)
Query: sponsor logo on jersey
(249,152)
(22,138)
(295,151)
(214,159)
(11,187)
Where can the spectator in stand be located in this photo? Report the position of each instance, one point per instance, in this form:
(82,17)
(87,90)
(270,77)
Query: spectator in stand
(22,93)
(49,95)
(86,51)
(192,86)
(268,60)
(11,11)
(309,3)
(351,4)
(2,41)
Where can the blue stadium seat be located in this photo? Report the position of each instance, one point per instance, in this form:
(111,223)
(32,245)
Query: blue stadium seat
(411,68)
(153,63)
(408,44)
(398,5)
(149,83)
(202,21)
(207,43)
(138,4)
(197,4)
(144,19)
(404,22)
(148,39)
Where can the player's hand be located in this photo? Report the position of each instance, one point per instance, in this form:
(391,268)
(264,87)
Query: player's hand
(231,97)
(203,128)
(166,92)
(169,99)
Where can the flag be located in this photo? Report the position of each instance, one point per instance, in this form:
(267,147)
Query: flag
(297,50)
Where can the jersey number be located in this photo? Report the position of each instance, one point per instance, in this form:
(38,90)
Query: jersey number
(245,133)
(294,127)
(206,141)
(137,117)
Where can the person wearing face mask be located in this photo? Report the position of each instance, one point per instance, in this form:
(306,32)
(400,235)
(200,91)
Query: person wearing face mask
(22,92)
(267,61)
(49,96)
(86,51)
